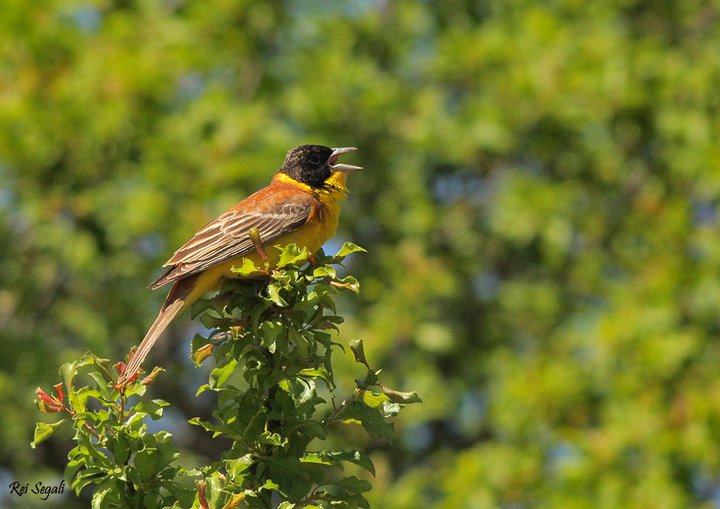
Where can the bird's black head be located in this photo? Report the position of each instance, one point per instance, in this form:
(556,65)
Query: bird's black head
(308,164)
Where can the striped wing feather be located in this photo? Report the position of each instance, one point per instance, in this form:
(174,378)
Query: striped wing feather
(274,211)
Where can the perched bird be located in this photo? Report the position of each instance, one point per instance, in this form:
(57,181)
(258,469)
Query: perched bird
(301,205)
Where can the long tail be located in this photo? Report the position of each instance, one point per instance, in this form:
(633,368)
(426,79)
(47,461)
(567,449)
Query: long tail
(174,303)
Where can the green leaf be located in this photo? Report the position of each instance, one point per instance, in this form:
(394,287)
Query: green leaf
(320,372)
(105,369)
(355,485)
(357,457)
(370,379)
(300,390)
(87,476)
(219,375)
(201,389)
(153,408)
(43,431)
(401,397)
(152,500)
(102,386)
(270,485)
(271,439)
(315,457)
(314,429)
(120,448)
(274,295)
(292,255)
(370,418)
(247,269)
(373,400)
(87,359)
(69,372)
(324,271)
(78,398)
(349,248)
(358,350)
(348,283)
(236,467)
(389,409)
(200,306)
(271,332)
(99,497)
(146,462)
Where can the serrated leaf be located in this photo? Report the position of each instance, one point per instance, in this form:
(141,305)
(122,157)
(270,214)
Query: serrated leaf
(273,291)
(292,255)
(271,438)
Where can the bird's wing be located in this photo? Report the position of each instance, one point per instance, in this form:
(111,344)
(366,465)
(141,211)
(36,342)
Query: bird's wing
(273,211)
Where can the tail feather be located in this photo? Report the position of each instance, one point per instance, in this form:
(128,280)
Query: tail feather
(161,322)
(174,303)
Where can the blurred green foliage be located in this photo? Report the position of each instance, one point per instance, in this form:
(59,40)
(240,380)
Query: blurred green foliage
(540,207)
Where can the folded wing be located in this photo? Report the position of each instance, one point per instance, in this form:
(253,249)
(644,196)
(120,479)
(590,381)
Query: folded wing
(274,212)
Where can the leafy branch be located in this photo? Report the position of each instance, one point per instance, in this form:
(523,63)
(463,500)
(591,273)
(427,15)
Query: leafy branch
(272,345)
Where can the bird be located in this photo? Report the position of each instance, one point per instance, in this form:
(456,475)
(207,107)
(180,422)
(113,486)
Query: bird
(301,205)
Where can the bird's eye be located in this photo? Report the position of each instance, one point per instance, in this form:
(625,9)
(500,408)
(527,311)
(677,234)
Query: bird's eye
(314,158)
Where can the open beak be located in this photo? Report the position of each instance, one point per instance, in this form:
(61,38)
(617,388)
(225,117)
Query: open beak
(345,168)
